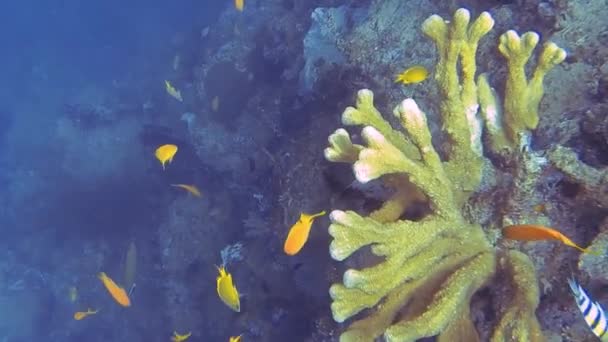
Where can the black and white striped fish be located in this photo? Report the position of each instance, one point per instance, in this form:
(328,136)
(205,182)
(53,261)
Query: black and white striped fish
(592,311)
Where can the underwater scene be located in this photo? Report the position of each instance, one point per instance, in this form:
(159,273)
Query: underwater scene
(304,170)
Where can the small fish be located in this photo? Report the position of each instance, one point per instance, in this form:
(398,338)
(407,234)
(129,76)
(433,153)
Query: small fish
(179,338)
(415,74)
(130,267)
(298,234)
(176,62)
(73,294)
(204,32)
(593,313)
(118,293)
(235,338)
(532,232)
(176,94)
(82,314)
(239,4)
(190,188)
(227,291)
(215,103)
(165,154)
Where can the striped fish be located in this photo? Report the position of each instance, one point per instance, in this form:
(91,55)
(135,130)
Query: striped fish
(592,311)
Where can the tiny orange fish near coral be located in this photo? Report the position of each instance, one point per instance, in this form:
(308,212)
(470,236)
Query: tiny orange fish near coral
(298,234)
(239,4)
(532,232)
(118,293)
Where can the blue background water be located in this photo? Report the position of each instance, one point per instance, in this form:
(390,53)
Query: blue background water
(51,52)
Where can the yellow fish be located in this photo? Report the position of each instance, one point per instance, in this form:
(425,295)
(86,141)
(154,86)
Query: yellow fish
(82,314)
(73,294)
(179,338)
(165,153)
(118,293)
(239,4)
(227,291)
(235,338)
(215,104)
(415,74)
(298,234)
(176,94)
(190,188)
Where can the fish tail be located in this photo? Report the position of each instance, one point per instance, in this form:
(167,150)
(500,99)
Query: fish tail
(318,214)
(221,269)
(571,243)
(588,250)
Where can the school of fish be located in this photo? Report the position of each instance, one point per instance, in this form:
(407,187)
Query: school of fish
(297,236)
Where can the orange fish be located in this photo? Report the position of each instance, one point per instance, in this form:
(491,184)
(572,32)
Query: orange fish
(82,314)
(298,234)
(190,188)
(532,232)
(118,293)
(239,4)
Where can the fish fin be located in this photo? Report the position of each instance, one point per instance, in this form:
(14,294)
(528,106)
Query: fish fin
(583,250)
(222,270)
(566,241)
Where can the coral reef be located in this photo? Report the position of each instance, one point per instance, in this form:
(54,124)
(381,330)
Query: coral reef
(592,191)
(430,268)
(320,48)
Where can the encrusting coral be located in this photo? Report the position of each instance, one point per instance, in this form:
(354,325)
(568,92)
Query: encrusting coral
(431,268)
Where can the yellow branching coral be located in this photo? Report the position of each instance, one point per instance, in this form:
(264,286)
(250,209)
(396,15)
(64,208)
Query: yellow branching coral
(457,251)
(522,96)
(431,268)
(518,317)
